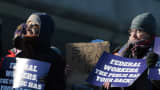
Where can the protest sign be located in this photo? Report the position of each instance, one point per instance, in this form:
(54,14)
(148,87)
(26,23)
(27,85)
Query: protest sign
(156,48)
(83,57)
(154,72)
(6,73)
(23,74)
(119,71)
(30,74)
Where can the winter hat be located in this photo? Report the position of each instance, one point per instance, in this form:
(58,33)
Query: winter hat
(145,22)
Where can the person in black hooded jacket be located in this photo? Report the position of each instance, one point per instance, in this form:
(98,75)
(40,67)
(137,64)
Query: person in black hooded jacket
(35,43)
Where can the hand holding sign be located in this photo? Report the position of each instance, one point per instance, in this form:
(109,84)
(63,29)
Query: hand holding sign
(106,85)
(118,71)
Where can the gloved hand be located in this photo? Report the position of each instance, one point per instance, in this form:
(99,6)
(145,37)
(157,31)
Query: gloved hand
(152,58)
(140,48)
(139,51)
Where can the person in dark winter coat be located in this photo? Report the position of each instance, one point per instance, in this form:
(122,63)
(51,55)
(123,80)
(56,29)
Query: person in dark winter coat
(34,42)
(140,46)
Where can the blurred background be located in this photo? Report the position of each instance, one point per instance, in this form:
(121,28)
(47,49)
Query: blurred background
(77,20)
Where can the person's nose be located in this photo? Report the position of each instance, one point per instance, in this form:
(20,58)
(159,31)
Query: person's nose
(134,34)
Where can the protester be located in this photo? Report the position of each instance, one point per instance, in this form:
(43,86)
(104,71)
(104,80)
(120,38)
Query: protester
(140,46)
(33,40)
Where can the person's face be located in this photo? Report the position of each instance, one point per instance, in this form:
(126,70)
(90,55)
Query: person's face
(136,35)
(32,29)
(133,34)
(142,35)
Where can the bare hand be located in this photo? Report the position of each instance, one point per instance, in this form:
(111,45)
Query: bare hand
(106,85)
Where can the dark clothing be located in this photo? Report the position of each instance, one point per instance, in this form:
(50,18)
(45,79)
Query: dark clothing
(39,48)
(139,50)
(155,84)
(55,79)
(142,83)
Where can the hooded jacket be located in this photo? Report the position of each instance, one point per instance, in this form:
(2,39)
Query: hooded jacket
(40,48)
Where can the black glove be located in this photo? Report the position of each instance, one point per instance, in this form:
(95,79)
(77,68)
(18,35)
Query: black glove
(139,51)
(140,48)
(152,58)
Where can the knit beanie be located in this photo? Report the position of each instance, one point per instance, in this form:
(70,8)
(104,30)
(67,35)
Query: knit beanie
(145,22)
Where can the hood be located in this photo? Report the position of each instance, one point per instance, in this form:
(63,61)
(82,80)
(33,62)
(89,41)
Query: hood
(47,27)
